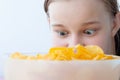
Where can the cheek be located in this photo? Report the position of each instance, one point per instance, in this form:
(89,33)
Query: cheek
(58,41)
(97,41)
(104,41)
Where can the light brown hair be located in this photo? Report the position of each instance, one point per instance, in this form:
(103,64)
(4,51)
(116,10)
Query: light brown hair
(111,7)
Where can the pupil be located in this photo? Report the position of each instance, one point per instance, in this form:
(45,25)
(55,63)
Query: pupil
(62,33)
(88,32)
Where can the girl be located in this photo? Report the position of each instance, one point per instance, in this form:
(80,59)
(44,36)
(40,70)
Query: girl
(85,22)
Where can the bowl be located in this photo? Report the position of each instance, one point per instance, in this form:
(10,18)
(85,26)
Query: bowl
(62,70)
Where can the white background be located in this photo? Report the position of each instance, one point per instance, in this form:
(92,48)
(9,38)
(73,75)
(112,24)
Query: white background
(23,27)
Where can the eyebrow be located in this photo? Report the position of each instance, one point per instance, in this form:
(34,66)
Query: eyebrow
(84,24)
(90,23)
(57,25)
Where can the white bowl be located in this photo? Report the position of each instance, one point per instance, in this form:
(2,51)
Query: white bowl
(62,70)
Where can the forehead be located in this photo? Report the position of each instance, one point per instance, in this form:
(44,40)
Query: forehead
(77,5)
(77,9)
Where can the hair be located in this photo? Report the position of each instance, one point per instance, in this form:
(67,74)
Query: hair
(111,6)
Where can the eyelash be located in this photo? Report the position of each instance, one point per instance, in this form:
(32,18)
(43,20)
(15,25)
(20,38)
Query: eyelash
(90,32)
(62,33)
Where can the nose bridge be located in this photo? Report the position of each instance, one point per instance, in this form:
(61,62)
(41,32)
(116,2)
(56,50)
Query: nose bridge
(74,40)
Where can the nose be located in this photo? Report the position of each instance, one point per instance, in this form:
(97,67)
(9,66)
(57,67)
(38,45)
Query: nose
(74,40)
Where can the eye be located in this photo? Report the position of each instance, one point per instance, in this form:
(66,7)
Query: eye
(89,32)
(62,33)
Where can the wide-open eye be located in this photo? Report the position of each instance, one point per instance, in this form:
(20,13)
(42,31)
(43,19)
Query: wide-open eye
(62,33)
(89,32)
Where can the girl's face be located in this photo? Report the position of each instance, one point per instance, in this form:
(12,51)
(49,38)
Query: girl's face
(85,22)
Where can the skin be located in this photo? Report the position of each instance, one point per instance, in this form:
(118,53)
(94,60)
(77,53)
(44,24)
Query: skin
(82,22)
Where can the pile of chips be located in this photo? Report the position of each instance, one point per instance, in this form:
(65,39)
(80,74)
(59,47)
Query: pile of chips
(78,52)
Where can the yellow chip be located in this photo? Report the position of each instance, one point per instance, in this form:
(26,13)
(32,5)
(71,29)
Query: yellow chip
(94,49)
(79,52)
